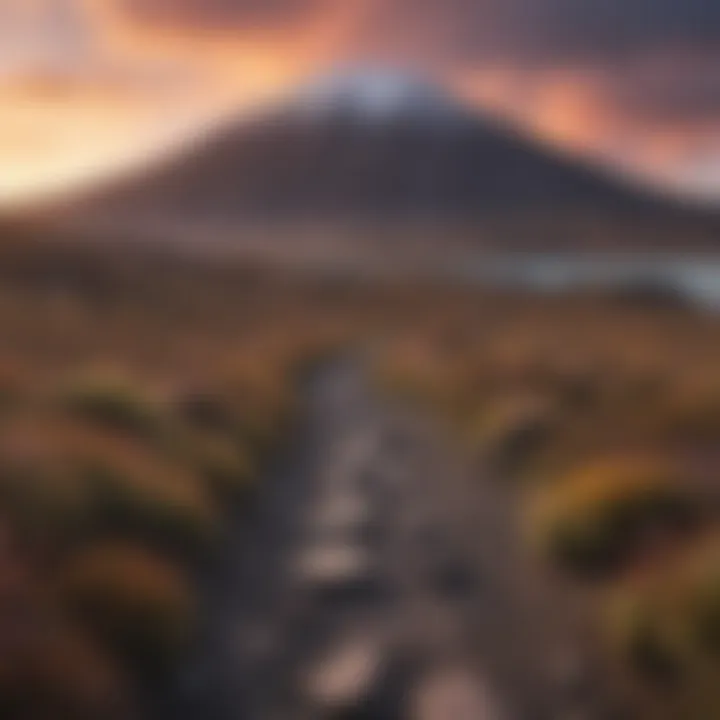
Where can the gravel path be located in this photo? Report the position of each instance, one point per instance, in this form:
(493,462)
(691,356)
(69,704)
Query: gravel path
(375,579)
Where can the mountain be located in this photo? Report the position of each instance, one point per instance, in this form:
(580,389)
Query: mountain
(375,148)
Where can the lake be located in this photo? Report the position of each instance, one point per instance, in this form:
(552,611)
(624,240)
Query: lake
(697,278)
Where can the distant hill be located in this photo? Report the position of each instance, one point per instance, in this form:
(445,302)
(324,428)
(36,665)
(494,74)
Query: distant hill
(374,149)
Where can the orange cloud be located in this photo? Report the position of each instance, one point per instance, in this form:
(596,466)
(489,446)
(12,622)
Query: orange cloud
(148,81)
(143,93)
(564,107)
(579,109)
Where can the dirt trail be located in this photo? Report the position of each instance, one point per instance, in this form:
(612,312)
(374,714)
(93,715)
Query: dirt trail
(376,579)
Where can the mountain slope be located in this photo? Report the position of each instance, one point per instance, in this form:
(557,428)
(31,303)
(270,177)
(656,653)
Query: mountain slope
(362,149)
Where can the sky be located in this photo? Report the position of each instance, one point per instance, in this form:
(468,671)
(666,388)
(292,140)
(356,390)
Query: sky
(91,87)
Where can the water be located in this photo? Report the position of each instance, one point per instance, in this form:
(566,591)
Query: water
(697,278)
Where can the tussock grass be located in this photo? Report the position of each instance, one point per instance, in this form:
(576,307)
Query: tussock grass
(664,626)
(139,398)
(601,514)
(113,402)
(136,604)
(73,479)
(58,672)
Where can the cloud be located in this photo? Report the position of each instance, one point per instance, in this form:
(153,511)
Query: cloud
(662,55)
(552,30)
(220,14)
(670,89)
(639,79)
(620,28)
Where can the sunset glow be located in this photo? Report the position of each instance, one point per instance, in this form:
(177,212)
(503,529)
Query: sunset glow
(91,86)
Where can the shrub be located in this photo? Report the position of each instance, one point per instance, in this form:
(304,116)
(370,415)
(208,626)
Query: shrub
(140,497)
(55,672)
(38,488)
(249,411)
(44,505)
(114,403)
(598,515)
(138,605)
(63,478)
(224,465)
(510,430)
(48,667)
(665,625)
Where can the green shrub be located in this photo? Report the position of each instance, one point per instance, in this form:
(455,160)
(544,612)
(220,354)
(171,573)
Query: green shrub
(63,478)
(598,516)
(225,466)
(137,605)
(137,497)
(114,403)
(665,626)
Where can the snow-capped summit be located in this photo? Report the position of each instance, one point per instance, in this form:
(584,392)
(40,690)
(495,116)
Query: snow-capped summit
(375,94)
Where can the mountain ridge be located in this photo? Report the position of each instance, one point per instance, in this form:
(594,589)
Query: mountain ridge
(366,149)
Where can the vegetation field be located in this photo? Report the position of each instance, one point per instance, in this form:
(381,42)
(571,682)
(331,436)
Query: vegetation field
(600,416)
(142,399)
